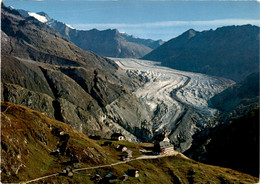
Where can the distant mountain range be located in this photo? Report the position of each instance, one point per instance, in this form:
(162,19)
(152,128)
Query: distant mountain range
(106,43)
(231,52)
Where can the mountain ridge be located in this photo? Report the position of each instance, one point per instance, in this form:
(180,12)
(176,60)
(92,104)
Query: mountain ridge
(213,52)
(97,41)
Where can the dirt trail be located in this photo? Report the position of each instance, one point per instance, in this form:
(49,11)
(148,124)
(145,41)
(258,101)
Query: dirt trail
(144,157)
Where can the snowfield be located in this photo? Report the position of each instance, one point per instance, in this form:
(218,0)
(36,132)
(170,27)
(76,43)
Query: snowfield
(38,17)
(168,92)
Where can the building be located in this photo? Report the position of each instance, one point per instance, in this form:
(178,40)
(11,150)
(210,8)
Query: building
(67,172)
(95,137)
(129,153)
(117,137)
(133,173)
(162,144)
(121,148)
(110,178)
(125,177)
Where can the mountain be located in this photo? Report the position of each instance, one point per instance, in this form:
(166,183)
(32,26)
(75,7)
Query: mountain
(44,71)
(147,42)
(241,94)
(41,16)
(30,142)
(234,141)
(231,52)
(108,43)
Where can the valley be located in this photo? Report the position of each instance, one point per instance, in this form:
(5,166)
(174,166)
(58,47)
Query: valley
(177,101)
(77,106)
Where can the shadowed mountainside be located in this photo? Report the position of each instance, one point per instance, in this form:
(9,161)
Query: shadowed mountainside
(234,142)
(231,52)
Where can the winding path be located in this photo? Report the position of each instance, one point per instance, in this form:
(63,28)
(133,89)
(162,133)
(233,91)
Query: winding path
(103,166)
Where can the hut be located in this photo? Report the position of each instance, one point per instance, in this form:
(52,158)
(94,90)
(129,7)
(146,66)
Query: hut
(117,137)
(125,177)
(97,177)
(67,172)
(133,173)
(121,148)
(129,153)
(109,178)
(95,137)
(162,144)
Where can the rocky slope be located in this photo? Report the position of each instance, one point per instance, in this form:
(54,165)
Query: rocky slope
(30,140)
(108,43)
(52,75)
(234,141)
(231,52)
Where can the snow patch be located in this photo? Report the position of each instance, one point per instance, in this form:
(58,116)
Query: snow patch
(69,26)
(38,17)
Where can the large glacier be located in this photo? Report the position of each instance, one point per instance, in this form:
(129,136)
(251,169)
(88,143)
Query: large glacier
(177,101)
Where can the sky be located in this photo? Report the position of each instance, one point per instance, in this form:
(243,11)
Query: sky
(155,19)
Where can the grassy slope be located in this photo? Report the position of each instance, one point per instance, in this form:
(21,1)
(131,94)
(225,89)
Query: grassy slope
(27,141)
(174,169)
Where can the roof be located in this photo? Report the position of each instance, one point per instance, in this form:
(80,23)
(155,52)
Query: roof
(116,134)
(109,175)
(159,137)
(128,151)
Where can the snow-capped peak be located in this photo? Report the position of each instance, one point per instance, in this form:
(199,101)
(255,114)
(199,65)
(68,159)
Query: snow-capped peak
(69,26)
(38,17)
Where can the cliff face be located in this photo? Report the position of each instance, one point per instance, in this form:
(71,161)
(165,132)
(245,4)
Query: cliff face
(46,72)
(230,52)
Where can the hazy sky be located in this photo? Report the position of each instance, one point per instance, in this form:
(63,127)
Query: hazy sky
(156,19)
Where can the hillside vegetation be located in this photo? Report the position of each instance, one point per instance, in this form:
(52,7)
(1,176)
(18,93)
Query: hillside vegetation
(29,137)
